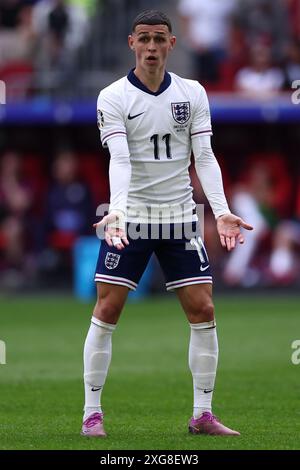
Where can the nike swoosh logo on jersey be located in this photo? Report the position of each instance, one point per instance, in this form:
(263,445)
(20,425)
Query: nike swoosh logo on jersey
(204,269)
(96,389)
(135,116)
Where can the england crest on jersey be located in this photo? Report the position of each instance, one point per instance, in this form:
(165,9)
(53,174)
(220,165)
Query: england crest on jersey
(112,260)
(181,111)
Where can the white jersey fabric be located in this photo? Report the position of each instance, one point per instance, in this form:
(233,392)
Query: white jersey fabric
(159,129)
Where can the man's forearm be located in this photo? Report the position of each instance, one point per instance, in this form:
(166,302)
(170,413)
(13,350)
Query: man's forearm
(209,174)
(119,173)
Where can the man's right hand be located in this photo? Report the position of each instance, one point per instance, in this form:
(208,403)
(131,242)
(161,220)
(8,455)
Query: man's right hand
(115,234)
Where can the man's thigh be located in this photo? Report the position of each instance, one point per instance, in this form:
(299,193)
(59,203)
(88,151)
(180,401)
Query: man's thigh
(184,262)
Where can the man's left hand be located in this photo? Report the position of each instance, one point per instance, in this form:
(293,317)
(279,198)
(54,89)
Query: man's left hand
(229,229)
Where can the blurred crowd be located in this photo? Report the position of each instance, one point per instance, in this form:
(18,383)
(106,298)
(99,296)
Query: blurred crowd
(249,46)
(45,207)
(265,193)
(39,43)
(47,47)
(61,47)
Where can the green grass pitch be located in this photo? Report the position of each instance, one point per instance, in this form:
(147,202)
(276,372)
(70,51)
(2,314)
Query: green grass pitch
(148,394)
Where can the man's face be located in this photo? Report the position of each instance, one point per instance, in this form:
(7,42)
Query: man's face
(152,44)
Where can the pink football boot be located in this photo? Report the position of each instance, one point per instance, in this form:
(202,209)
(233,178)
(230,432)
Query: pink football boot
(93,426)
(209,424)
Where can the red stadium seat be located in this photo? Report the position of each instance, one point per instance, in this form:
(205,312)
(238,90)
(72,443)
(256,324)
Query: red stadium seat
(18,78)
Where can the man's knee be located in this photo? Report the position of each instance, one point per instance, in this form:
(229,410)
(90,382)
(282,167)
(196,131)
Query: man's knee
(107,311)
(110,302)
(202,310)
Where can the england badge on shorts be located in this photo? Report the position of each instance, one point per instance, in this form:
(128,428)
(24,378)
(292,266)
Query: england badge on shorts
(112,260)
(181,112)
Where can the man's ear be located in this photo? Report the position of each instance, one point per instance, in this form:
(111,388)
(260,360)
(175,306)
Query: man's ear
(130,42)
(173,42)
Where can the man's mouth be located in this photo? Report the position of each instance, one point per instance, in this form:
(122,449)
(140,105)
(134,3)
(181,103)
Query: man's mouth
(151,58)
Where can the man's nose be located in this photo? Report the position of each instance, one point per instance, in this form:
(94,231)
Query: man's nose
(151,45)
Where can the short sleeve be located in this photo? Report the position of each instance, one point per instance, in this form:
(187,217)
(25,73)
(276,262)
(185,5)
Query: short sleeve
(109,118)
(201,124)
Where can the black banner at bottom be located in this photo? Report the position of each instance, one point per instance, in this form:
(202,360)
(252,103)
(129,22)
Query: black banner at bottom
(133,459)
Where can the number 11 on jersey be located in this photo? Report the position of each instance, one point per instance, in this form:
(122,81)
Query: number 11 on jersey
(155,140)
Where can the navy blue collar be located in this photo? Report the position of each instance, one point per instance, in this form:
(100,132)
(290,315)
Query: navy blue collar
(137,83)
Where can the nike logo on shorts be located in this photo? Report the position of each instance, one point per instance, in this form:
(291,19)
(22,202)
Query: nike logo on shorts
(204,269)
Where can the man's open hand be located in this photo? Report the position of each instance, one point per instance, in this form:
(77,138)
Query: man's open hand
(114,225)
(229,229)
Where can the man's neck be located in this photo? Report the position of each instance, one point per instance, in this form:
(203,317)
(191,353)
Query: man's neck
(151,80)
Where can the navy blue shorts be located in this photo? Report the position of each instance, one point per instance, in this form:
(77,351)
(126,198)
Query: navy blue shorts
(183,260)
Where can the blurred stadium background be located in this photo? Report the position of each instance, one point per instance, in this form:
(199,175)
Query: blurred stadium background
(55,56)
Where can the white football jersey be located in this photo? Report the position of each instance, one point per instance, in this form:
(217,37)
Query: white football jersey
(159,127)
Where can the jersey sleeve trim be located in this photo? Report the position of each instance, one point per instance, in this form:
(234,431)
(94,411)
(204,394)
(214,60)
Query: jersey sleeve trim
(207,131)
(105,138)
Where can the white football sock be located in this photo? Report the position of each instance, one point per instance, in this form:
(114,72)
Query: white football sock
(203,359)
(97,357)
